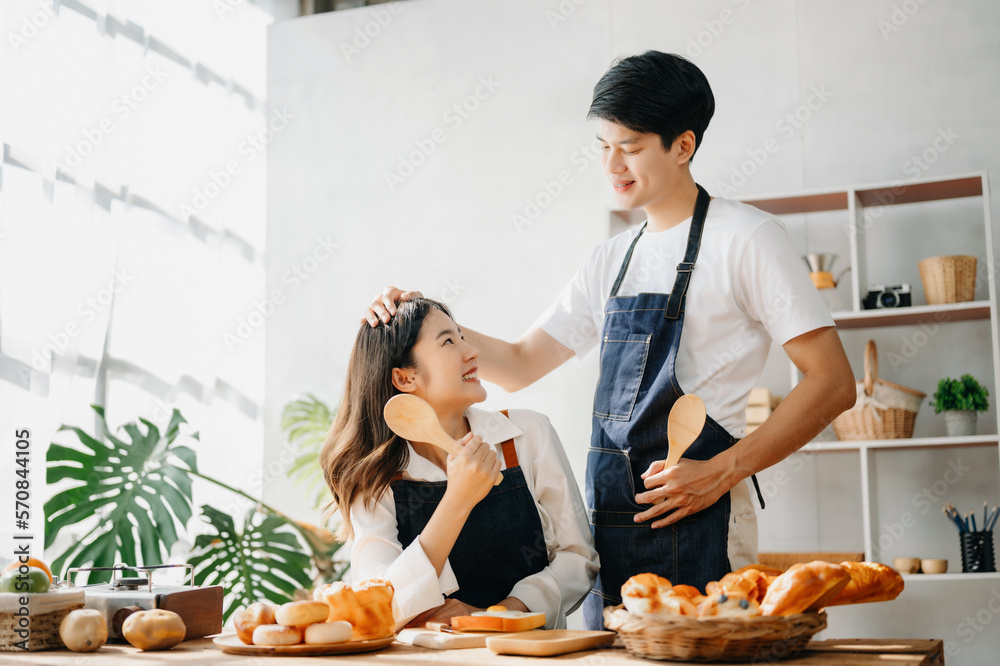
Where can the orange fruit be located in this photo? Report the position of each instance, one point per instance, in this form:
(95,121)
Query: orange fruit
(32,562)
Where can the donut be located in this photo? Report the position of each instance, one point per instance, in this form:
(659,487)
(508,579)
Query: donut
(328,632)
(301,613)
(247,620)
(276,634)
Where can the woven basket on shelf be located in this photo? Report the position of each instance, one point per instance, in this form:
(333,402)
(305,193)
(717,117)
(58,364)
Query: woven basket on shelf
(45,613)
(884,410)
(948,279)
(683,638)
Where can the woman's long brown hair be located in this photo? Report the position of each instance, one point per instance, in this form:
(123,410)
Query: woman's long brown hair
(361,454)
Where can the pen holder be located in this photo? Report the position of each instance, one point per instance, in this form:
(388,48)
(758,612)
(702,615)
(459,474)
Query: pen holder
(977,552)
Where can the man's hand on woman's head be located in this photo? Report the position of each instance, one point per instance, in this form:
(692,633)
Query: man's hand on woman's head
(383,305)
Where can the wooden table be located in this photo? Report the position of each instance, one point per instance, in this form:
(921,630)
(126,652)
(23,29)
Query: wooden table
(858,652)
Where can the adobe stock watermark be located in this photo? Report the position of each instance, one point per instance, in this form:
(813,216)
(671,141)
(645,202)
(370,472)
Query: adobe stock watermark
(451,291)
(381,17)
(87,311)
(716,372)
(296,275)
(249,149)
(32,25)
(910,345)
(223,7)
(926,499)
(454,117)
(121,108)
(550,189)
(975,624)
(712,30)
(914,166)
(562,12)
(898,17)
(787,127)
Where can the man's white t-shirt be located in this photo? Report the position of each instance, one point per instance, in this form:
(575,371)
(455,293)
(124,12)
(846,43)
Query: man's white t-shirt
(749,286)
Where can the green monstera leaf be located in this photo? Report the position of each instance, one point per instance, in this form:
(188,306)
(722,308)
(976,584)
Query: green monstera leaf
(139,491)
(305,422)
(260,561)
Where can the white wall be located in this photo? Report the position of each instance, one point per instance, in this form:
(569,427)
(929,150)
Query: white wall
(882,84)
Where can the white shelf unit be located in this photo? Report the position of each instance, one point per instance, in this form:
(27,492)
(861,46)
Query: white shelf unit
(857,202)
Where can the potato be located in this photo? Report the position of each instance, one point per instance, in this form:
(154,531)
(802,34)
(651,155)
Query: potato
(154,629)
(84,630)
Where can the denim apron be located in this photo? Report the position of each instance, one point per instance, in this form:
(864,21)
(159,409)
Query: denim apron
(501,543)
(635,391)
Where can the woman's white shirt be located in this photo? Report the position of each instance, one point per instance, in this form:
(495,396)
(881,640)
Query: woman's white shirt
(556,590)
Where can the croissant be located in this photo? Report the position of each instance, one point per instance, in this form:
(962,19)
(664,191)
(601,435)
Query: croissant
(870,581)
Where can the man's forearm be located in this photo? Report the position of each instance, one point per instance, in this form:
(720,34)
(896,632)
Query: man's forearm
(499,361)
(514,365)
(808,408)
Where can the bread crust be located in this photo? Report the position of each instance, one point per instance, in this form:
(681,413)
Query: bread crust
(870,581)
(804,586)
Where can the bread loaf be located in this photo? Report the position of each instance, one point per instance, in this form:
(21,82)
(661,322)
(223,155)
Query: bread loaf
(804,586)
(870,581)
(367,605)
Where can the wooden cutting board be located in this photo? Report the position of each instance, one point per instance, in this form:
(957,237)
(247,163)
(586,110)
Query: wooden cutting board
(545,643)
(438,640)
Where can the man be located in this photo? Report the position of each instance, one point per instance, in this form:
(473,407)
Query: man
(737,285)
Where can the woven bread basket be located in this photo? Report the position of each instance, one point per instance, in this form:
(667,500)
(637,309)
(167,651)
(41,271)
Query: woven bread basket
(713,639)
(45,614)
(883,410)
(948,279)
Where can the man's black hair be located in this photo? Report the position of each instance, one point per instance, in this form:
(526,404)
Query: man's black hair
(655,93)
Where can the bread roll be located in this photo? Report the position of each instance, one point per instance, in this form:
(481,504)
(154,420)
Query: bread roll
(804,586)
(870,581)
(252,617)
(674,603)
(328,632)
(688,591)
(301,613)
(770,572)
(751,583)
(728,605)
(276,634)
(641,593)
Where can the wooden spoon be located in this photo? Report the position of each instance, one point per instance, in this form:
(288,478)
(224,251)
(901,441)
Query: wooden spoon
(413,419)
(685,423)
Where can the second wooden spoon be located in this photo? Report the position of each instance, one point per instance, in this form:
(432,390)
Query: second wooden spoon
(685,423)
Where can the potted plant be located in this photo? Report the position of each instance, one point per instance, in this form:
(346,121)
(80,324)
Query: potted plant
(960,400)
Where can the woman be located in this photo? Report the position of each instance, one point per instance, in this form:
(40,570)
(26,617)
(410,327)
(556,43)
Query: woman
(433,524)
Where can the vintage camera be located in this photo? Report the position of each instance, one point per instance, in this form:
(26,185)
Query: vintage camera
(887,296)
(199,607)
